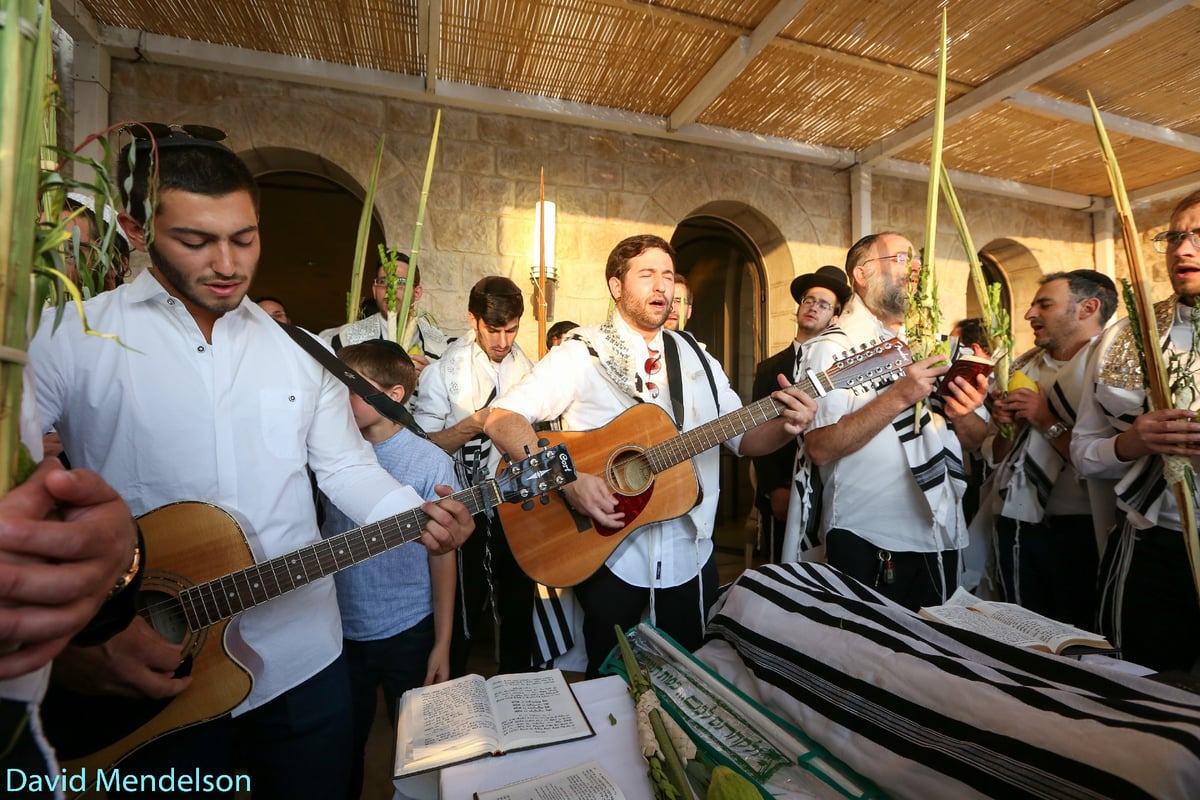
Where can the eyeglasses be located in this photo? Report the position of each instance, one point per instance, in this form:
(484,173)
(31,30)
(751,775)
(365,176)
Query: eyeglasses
(823,305)
(1167,241)
(679,301)
(900,258)
(383,281)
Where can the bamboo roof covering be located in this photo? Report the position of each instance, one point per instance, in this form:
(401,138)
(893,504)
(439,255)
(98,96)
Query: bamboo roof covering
(844,81)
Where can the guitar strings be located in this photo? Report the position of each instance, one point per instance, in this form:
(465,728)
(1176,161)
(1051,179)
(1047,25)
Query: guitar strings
(215,594)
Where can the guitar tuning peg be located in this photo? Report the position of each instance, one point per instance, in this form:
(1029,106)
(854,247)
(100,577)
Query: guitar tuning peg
(545,499)
(543,442)
(527,450)
(527,505)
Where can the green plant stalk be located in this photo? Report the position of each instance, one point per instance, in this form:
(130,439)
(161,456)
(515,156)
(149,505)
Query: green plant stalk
(353,304)
(924,317)
(639,684)
(414,255)
(1155,373)
(673,766)
(996,319)
(24,59)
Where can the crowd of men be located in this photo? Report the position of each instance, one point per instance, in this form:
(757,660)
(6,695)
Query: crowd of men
(214,401)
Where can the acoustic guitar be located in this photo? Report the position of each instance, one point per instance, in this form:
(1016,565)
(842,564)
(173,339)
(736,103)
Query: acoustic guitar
(200,573)
(645,462)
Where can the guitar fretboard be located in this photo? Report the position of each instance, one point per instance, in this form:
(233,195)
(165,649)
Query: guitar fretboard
(222,598)
(682,447)
(869,364)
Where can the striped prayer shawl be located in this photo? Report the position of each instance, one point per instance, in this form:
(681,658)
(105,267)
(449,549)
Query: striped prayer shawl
(1028,474)
(933,454)
(928,711)
(936,466)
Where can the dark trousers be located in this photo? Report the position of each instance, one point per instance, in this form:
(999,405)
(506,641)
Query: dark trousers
(1050,567)
(607,601)
(397,663)
(1160,617)
(915,579)
(513,591)
(295,747)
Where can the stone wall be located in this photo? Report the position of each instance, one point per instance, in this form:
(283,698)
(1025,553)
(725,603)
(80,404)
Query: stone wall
(606,185)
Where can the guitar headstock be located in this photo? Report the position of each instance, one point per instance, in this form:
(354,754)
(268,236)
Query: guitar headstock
(870,365)
(536,475)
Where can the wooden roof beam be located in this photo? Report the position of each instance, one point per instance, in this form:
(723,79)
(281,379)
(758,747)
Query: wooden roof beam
(731,63)
(76,20)
(429,32)
(131,44)
(1061,109)
(1095,37)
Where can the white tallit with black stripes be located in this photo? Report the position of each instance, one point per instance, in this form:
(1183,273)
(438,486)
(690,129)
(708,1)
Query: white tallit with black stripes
(1028,473)
(931,450)
(928,711)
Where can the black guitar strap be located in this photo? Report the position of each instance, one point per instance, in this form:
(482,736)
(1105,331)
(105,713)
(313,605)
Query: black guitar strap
(675,377)
(358,384)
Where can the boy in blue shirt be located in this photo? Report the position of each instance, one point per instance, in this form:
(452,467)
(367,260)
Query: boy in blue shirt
(398,607)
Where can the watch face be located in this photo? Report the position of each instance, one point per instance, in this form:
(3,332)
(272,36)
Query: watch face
(1056,430)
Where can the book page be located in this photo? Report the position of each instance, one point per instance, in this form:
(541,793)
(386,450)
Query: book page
(970,620)
(536,708)
(587,781)
(1053,633)
(444,723)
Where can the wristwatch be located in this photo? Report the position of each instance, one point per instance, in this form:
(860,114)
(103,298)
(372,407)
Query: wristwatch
(1054,431)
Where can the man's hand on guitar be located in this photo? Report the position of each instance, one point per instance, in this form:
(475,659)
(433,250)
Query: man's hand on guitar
(138,662)
(65,539)
(799,407)
(450,524)
(590,495)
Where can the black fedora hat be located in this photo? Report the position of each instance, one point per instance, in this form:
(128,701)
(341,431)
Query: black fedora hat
(827,277)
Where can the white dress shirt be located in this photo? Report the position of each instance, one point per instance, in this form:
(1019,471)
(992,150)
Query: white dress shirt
(569,383)
(169,417)
(1093,439)
(871,491)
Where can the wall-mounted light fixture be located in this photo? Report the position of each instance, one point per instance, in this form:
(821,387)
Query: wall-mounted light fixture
(543,257)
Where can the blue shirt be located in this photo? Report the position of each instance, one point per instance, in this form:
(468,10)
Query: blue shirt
(391,592)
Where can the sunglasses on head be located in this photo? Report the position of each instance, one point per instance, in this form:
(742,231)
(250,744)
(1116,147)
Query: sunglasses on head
(147,135)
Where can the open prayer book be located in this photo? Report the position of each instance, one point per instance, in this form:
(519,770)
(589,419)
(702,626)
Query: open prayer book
(469,717)
(587,781)
(1012,624)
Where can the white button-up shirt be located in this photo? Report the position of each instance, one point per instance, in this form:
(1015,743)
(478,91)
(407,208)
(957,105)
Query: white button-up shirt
(569,383)
(169,417)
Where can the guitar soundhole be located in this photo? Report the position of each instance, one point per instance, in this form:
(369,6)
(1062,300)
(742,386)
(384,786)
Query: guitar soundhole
(165,614)
(629,471)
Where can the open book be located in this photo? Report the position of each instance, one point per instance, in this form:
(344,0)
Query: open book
(587,781)
(469,717)
(1012,624)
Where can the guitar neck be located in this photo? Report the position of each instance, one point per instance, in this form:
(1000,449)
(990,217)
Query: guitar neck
(224,597)
(686,445)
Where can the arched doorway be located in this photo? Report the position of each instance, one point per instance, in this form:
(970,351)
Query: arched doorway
(1017,270)
(309,214)
(724,249)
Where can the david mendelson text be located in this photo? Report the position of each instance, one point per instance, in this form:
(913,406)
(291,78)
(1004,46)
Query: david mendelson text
(114,780)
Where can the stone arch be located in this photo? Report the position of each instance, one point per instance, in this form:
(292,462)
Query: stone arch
(730,252)
(769,213)
(1021,273)
(768,266)
(304,191)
